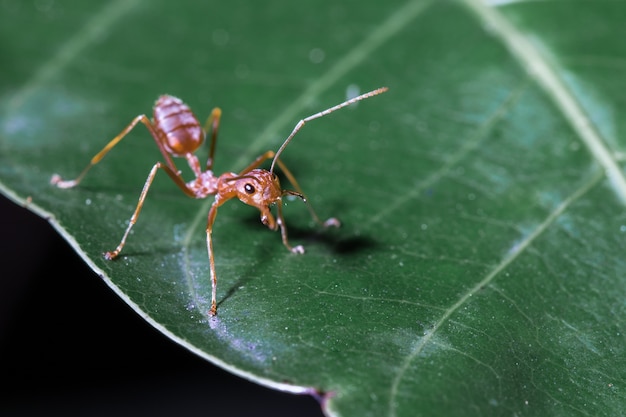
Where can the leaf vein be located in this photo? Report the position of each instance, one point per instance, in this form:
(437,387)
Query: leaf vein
(380,35)
(471,144)
(546,75)
(510,256)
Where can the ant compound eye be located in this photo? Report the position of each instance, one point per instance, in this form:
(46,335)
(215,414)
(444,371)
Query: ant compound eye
(249,188)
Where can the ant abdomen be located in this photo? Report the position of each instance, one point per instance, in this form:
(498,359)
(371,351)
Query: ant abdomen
(177,126)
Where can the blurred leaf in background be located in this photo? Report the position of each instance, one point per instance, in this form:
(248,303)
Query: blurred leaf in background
(479,269)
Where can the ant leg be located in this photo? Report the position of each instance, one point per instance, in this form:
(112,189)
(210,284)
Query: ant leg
(179,182)
(258,161)
(328,222)
(59,182)
(213,121)
(209,245)
(299,249)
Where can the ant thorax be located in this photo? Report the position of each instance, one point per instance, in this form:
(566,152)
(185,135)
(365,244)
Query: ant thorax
(204,185)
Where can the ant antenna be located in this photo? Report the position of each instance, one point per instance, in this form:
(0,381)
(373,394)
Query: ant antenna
(323,113)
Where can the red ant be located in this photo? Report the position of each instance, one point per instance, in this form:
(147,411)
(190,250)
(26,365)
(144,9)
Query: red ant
(176,131)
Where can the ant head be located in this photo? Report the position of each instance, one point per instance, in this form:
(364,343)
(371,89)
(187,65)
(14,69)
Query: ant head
(258,188)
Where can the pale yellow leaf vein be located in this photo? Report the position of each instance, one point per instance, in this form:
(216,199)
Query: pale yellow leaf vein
(546,74)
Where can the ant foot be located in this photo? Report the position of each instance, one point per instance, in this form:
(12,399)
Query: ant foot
(298,249)
(332,222)
(58,181)
(213,310)
(109,256)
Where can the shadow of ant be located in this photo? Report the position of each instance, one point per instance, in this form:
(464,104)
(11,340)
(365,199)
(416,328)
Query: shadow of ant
(314,235)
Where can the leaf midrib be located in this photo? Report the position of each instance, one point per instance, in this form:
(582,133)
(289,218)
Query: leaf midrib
(546,75)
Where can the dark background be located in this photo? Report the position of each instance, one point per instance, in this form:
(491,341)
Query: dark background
(54,361)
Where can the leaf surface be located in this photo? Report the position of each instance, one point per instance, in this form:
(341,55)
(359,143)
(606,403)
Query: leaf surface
(479,269)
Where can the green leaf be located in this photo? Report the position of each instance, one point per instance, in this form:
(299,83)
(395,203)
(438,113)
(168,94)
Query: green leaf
(479,269)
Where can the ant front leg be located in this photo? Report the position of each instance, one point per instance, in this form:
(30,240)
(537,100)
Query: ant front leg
(332,221)
(299,249)
(209,244)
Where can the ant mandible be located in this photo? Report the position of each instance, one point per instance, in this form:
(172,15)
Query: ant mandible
(178,133)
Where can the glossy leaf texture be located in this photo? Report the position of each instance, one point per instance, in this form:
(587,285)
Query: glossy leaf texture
(480,266)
